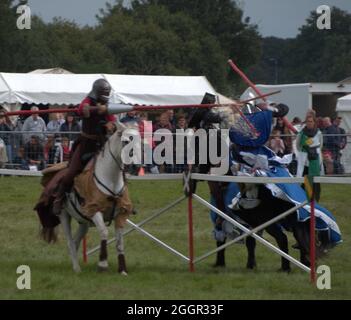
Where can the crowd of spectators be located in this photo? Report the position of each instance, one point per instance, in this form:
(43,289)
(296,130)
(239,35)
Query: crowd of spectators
(33,145)
(166,120)
(333,141)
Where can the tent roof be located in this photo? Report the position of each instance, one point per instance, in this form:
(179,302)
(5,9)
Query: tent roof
(51,70)
(346,81)
(72,88)
(344,103)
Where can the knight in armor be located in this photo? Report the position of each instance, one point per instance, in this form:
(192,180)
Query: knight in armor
(95,121)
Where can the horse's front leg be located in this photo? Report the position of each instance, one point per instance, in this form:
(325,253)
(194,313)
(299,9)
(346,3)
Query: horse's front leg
(282,240)
(98,220)
(220,257)
(251,257)
(66,226)
(119,227)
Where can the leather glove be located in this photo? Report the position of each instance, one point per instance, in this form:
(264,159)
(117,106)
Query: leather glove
(102,108)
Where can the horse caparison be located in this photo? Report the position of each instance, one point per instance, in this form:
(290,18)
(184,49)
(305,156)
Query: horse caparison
(102,192)
(269,208)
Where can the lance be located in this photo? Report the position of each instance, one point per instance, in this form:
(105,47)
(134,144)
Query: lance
(257,91)
(116,108)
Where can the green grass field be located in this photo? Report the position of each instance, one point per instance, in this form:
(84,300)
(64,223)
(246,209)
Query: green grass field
(154,273)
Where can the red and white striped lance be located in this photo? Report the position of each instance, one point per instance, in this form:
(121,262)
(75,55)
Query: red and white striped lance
(121,108)
(257,91)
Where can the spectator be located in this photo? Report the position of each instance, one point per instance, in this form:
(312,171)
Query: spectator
(172,118)
(19,160)
(56,122)
(6,137)
(145,127)
(164,123)
(334,143)
(340,144)
(181,123)
(285,134)
(17,138)
(298,125)
(327,146)
(311,112)
(180,152)
(276,143)
(34,124)
(70,125)
(320,123)
(131,119)
(34,153)
(3,154)
(63,151)
(309,143)
(50,150)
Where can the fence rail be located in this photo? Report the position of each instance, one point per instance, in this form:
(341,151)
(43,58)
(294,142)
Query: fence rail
(16,151)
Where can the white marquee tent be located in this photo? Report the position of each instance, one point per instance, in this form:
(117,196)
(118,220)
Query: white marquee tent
(343,108)
(66,89)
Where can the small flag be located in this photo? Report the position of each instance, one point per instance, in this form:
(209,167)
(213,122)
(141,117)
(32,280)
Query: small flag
(308,181)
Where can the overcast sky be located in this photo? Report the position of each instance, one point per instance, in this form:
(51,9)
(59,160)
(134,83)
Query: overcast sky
(280,18)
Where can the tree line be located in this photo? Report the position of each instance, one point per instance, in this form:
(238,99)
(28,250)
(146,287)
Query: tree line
(165,37)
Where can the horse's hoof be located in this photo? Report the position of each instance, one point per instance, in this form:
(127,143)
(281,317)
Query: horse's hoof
(77,269)
(102,269)
(251,266)
(296,246)
(123,273)
(219,265)
(286,270)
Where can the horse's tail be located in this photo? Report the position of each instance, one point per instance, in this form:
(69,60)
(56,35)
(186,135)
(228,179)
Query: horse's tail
(48,222)
(49,234)
(304,240)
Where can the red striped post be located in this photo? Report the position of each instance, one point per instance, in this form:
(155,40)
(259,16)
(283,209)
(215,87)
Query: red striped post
(191,233)
(189,193)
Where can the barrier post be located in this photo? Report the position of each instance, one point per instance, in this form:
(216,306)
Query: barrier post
(188,189)
(191,232)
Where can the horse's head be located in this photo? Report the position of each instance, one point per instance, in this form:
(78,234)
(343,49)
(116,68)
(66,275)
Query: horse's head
(126,143)
(115,142)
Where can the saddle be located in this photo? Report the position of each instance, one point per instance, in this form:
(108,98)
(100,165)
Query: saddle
(49,173)
(85,197)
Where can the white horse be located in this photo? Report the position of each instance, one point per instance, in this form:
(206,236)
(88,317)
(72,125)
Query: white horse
(99,194)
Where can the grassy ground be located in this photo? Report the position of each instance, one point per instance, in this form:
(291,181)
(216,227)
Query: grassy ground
(154,273)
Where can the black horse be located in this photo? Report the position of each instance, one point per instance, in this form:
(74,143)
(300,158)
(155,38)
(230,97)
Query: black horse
(268,208)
